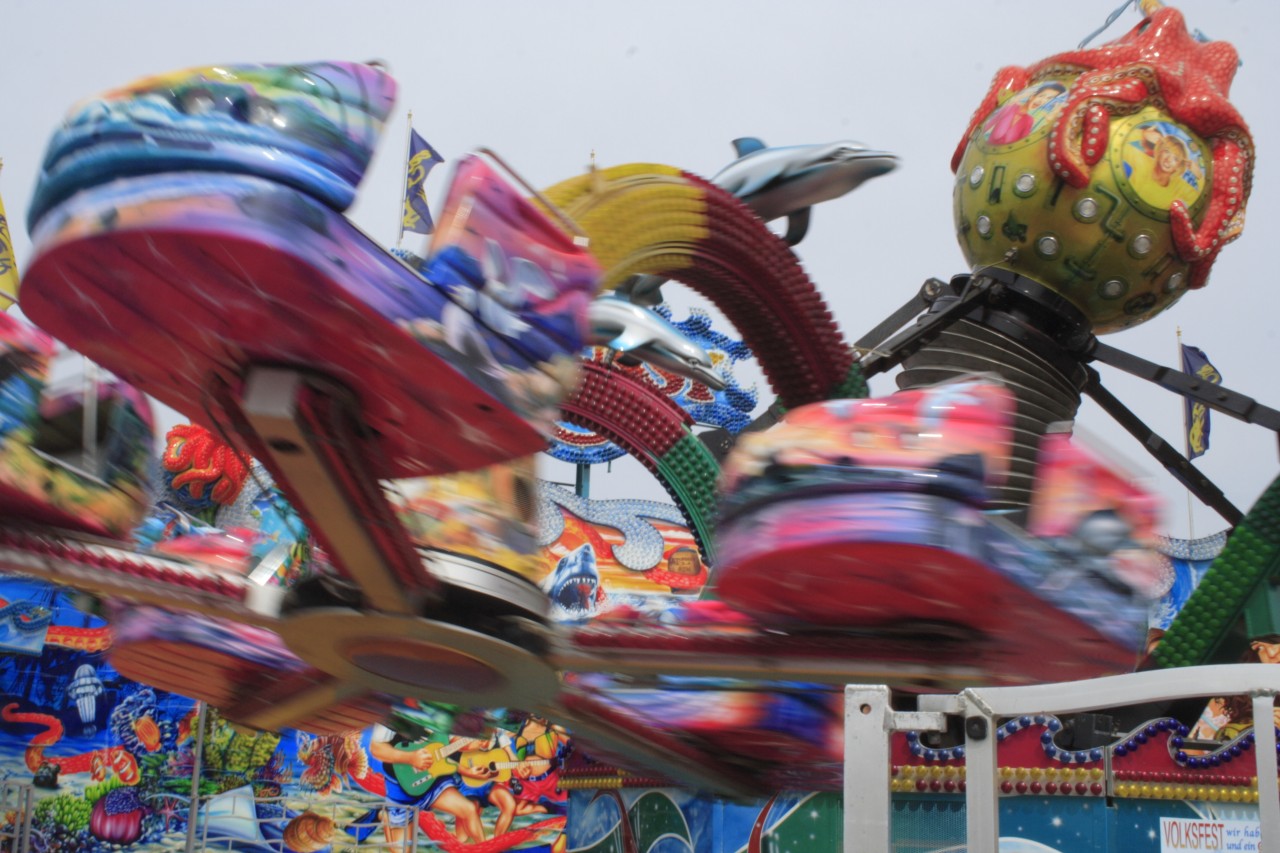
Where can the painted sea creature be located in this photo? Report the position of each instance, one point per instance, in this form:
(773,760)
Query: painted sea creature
(117,817)
(202,470)
(621,325)
(140,725)
(642,545)
(148,732)
(309,832)
(84,690)
(187,725)
(574,587)
(329,759)
(116,759)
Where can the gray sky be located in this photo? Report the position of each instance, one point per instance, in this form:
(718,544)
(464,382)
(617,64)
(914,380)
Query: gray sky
(547,83)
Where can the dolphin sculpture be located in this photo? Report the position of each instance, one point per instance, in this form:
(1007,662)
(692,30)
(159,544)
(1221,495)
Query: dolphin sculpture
(633,329)
(789,181)
(786,181)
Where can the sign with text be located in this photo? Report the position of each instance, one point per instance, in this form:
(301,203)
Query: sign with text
(1177,834)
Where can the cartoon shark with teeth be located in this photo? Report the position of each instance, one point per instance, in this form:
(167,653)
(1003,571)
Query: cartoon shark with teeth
(633,329)
(786,181)
(574,587)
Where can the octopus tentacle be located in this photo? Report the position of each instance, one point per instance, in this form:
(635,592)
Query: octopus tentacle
(1157,63)
(34,754)
(1224,219)
(120,760)
(53,726)
(1079,137)
(1010,80)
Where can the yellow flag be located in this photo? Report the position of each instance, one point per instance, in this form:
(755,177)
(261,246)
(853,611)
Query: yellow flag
(8,266)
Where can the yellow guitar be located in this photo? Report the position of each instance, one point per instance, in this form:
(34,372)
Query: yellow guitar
(495,765)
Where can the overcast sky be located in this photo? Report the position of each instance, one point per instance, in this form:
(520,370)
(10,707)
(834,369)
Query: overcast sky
(547,83)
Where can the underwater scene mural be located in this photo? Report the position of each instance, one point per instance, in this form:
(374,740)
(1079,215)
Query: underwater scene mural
(111,762)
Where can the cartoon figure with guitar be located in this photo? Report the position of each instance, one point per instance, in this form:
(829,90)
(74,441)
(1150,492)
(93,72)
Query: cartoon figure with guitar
(459,778)
(542,749)
(422,773)
(484,774)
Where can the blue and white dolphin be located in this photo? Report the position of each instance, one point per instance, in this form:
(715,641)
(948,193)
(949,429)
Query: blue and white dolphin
(633,329)
(789,181)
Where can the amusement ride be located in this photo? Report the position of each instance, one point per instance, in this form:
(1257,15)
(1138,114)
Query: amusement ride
(352,521)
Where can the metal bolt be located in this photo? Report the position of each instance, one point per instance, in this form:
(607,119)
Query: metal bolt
(1086,209)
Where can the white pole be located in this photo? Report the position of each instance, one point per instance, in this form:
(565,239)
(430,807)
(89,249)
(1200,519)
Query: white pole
(404,185)
(193,807)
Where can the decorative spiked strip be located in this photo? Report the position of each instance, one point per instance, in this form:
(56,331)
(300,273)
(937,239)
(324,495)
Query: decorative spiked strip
(853,386)
(657,432)
(658,220)
(598,777)
(1250,558)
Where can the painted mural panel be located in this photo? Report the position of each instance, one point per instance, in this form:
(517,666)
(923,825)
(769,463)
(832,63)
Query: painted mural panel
(676,821)
(112,761)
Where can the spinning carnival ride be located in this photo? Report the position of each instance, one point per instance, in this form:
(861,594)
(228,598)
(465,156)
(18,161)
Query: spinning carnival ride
(355,520)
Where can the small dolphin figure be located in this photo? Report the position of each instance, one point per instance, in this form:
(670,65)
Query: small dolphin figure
(629,328)
(789,181)
(786,181)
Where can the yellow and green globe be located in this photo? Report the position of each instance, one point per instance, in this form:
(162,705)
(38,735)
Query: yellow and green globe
(1106,247)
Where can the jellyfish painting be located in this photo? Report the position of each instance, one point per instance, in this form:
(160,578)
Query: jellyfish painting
(84,690)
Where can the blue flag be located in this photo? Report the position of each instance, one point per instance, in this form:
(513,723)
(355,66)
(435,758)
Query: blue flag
(1196,363)
(422,157)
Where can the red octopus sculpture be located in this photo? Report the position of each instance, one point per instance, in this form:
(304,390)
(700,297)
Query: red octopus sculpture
(196,460)
(1156,63)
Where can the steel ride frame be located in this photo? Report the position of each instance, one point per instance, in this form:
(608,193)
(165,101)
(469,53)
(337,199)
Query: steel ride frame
(870,721)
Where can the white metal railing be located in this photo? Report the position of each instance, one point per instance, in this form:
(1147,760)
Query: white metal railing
(870,722)
(347,822)
(16,799)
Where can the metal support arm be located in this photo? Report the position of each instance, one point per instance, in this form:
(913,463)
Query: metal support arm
(909,341)
(1193,388)
(1173,461)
